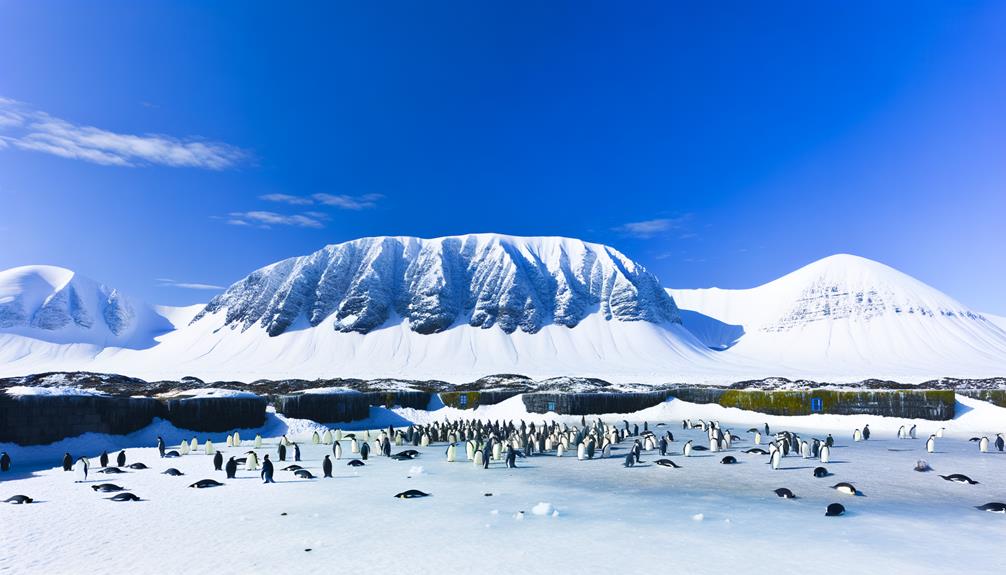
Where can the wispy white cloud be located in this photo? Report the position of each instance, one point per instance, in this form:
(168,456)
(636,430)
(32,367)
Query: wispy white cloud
(341,201)
(345,202)
(650,228)
(26,128)
(287,199)
(264,219)
(168,282)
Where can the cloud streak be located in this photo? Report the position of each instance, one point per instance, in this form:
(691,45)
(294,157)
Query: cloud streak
(340,201)
(29,129)
(649,228)
(266,220)
(168,282)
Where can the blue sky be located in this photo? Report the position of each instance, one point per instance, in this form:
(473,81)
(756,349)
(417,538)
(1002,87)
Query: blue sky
(152,144)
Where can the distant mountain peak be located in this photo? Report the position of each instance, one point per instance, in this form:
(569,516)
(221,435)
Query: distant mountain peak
(483,280)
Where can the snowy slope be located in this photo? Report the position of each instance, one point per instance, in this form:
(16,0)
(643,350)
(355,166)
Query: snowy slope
(483,280)
(848,317)
(454,308)
(54,304)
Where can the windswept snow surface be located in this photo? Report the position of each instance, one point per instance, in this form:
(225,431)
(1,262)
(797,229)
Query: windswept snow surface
(846,318)
(55,390)
(702,518)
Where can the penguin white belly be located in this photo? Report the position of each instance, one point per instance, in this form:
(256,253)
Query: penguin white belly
(825,454)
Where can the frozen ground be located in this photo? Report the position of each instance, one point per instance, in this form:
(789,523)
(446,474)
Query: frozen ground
(702,518)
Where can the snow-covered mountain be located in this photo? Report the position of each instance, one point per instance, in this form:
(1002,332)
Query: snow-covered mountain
(482,280)
(56,305)
(846,317)
(462,307)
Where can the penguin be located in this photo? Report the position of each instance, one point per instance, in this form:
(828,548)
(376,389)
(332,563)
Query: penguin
(999,441)
(18,500)
(820,472)
(993,507)
(281,451)
(767,432)
(67,461)
(326,466)
(825,454)
(728,460)
(292,468)
(983,445)
(251,462)
(267,470)
(103,459)
(355,463)
(218,461)
(866,432)
(912,432)
(364,450)
(111,470)
(123,497)
(857,435)
(160,445)
(511,457)
(452,451)
(315,438)
(487,455)
(337,449)
(630,460)
(959,478)
(939,432)
(411,494)
(296,452)
(662,446)
(687,451)
(327,438)
(931,444)
(107,487)
(901,432)
(667,463)
(80,470)
(846,488)
(231,468)
(120,459)
(210,450)
(172,454)
(784,493)
(776,459)
(829,441)
(204,483)
(303,474)
(756,451)
(138,465)
(922,465)
(172,472)
(834,510)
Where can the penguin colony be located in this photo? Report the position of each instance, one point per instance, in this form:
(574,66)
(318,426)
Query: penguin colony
(482,443)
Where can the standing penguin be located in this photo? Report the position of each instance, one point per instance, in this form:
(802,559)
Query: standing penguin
(486,456)
(866,432)
(825,454)
(296,452)
(983,445)
(80,470)
(829,441)
(67,461)
(776,459)
(231,468)
(103,459)
(120,459)
(687,451)
(218,461)
(4,461)
(912,432)
(857,435)
(267,470)
(364,450)
(511,457)
(931,444)
(251,462)
(210,450)
(999,441)
(160,445)
(281,451)
(337,449)
(326,466)
(452,452)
